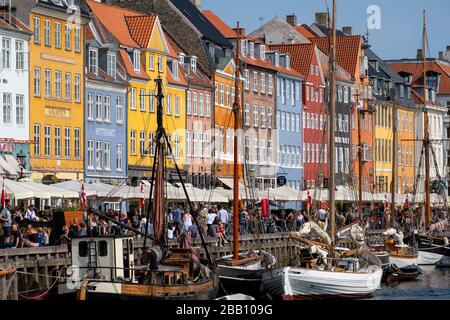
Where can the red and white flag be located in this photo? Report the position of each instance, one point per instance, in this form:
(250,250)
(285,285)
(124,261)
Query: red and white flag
(83,195)
(3,194)
(386,202)
(142,201)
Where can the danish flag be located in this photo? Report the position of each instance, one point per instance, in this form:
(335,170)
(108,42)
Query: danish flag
(142,201)
(83,195)
(386,202)
(310,202)
(3,194)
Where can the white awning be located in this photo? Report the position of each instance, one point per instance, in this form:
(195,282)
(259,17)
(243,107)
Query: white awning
(7,167)
(75,186)
(51,190)
(17,191)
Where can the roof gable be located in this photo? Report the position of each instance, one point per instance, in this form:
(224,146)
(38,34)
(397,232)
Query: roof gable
(140,28)
(301,55)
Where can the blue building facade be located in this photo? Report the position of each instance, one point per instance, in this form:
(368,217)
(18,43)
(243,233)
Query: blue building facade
(289,123)
(105,134)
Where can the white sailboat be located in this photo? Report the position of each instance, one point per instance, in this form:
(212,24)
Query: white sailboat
(319,276)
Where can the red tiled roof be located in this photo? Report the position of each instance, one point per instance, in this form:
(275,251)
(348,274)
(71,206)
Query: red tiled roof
(301,55)
(181,81)
(141,28)
(113,19)
(347,50)
(219,24)
(266,64)
(304,32)
(129,66)
(15,24)
(416,69)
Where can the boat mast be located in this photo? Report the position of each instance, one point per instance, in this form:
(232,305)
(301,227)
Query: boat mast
(360,155)
(332,155)
(235,147)
(426,141)
(394,156)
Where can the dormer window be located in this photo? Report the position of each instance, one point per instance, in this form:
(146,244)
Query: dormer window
(252,49)
(181,57)
(136,60)
(402,91)
(277,59)
(262,52)
(244,47)
(287,62)
(175,69)
(194,63)
(111,64)
(93,60)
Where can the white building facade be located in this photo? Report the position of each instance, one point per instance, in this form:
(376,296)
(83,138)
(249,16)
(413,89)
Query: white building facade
(14,99)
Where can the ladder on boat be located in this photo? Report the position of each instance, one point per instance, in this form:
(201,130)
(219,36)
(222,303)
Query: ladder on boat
(92,256)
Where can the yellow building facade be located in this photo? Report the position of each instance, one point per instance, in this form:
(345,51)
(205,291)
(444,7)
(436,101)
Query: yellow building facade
(56,93)
(384,148)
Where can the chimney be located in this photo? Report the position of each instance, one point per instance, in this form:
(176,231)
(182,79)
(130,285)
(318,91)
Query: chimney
(292,19)
(441,55)
(241,31)
(197,3)
(322,18)
(347,30)
(419,54)
(447,52)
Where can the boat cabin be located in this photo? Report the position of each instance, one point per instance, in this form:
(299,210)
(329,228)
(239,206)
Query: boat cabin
(107,258)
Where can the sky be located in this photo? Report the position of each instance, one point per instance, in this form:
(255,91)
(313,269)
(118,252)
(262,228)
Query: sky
(399,35)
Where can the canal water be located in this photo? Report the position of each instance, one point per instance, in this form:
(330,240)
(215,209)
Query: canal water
(432,284)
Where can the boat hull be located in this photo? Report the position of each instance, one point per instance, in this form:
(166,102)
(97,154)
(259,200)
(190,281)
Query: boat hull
(302,283)
(106,290)
(428,258)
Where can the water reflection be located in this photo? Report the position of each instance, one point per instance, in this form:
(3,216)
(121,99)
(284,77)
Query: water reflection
(433,284)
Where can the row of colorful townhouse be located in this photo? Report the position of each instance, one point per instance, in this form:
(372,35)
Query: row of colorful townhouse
(79,99)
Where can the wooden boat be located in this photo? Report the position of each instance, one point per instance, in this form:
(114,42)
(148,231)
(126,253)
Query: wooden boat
(241,267)
(409,273)
(110,273)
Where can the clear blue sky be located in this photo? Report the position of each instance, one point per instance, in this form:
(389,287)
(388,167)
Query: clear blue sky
(401,20)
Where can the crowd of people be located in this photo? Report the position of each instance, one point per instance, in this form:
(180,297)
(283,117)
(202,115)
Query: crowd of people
(211,221)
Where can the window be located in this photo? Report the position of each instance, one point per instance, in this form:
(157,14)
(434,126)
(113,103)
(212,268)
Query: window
(222,139)
(57,141)
(255,116)
(255,81)
(188,144)
(246,114)
(297,92)
(283,120)
(57,35)
(6,53)
(37,30)
(177,104)
(221,95)
(297,122)
(246,80)
(37,140)
(47,141)
(68,87)
(7,108)
(136,60)
(189,103)
(47,32)
(133,142)
(208,106)
(169,104)
(67,38)
(227,97)
(77,39)
(142,99)
(77,136)
(263,83)
(107,108)
(292,94)
(111,65)
(193,64)
(119,110)
(142,143)
(98,107)
(288,121)
(293,122)
(270,88)
(269,118)
(195,140)
(207,145)
(263,117)
(151,143)
(67,142)
(37,82)
(176,150)
(20,55)
(216,95)
(133,99)
(151,99)
(77,88)
(283,97)
(107,156)
(93,60)
(98,155)
(58,84)
(19,110)
(160,64)
(90,105)
(151,62)
(233,95)
(119,158)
